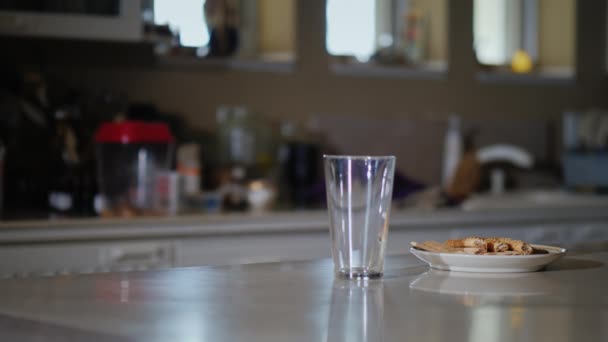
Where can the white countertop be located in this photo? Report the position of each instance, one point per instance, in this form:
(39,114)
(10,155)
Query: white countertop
(279,222)
(302,301)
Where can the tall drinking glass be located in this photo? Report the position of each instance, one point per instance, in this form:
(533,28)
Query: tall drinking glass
(359,191)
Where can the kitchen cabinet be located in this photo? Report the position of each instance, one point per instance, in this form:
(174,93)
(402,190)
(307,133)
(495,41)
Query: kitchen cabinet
(100,246)
(85,257)
(247,249)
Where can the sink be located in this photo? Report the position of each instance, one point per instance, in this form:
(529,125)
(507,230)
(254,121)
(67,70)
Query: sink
(533,199)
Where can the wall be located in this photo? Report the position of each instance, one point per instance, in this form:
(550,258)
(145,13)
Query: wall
(311,88)
(557,27)
(276,26)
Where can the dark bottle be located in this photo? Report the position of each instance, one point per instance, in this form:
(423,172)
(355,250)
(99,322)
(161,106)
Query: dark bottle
(234,191)
(301,172)
(65,182)
(61,197)
(300,163)
(86,194)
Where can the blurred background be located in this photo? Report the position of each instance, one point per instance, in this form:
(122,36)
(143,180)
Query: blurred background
(128,108)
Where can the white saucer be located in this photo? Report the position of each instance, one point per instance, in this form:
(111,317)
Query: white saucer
(490,263)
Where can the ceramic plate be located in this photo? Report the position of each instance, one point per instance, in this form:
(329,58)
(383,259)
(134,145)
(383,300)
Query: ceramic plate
(490,263)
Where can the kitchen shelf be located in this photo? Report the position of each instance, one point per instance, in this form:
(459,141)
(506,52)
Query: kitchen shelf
(553,76)
(261,65)
(430,71)
(254,65)
(191,62)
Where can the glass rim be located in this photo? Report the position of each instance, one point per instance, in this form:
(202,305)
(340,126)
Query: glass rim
(367,157)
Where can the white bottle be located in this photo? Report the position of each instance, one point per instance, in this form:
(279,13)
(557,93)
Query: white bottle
(452,150)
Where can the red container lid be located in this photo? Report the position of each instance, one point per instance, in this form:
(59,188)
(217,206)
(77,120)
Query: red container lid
(133,132)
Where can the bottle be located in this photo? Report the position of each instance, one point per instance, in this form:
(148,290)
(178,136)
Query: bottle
(300,164)
(61,199)
(235,190)
(87,192)
(236,138)
(452,150)
(65,182)
(236,142)
(189,169)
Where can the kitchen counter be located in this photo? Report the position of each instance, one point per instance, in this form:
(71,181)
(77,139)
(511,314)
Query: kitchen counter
(280,222)
(302,301)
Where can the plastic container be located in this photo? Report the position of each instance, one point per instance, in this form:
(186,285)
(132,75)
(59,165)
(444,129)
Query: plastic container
(586,170)
(134,164)
(236,136)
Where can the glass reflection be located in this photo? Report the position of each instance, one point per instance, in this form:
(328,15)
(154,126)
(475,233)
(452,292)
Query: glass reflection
(475,287)
(357,311)
(498,304)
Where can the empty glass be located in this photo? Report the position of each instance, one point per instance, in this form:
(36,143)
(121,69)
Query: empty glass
(359,191)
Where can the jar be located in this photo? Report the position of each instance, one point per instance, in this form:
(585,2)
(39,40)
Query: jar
(236,136)
(133,164)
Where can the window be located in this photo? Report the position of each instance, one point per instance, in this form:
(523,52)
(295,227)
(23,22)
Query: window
(187,19)
(501,27)
(246,29)
(406,32)
(543,31)
(353,34)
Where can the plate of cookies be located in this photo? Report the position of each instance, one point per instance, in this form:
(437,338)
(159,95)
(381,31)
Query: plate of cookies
(480,254)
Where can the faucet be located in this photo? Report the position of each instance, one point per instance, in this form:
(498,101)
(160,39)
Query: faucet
(503,153)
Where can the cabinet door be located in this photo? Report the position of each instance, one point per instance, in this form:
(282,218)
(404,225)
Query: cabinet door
(64,258)
(253,248)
